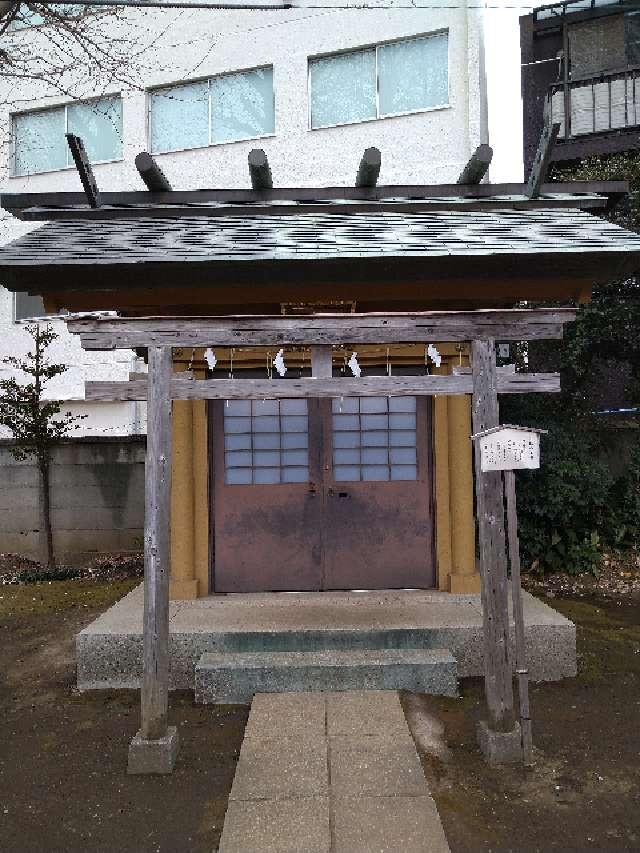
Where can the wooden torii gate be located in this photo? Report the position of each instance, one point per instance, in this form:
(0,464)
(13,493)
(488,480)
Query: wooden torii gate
(154,748)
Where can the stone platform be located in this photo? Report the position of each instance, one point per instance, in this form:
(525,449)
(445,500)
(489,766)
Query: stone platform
(109,650)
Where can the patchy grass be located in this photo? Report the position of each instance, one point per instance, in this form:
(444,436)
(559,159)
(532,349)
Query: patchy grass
(63,779)
(608,639)
(55,596)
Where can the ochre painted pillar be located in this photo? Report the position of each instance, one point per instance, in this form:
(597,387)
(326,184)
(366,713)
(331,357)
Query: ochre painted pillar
(464,577)
(441,486)
(183,581)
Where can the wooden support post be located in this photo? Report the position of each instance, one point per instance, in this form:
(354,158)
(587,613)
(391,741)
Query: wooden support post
(259,170)
(369,169)
(493,558)
(518,617)
(155,179)
(477,167)
(87,178)
(321,362)
(157,539)
(154,748)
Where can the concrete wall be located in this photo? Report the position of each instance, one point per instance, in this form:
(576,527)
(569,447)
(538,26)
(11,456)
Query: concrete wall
(97,497)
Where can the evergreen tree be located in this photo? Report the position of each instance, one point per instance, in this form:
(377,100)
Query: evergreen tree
(36,423)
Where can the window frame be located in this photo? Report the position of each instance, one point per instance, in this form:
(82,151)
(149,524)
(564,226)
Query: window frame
(19,320)
(375,47)
(64,106)
(210,144)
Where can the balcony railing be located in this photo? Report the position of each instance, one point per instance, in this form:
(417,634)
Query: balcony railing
(597,104)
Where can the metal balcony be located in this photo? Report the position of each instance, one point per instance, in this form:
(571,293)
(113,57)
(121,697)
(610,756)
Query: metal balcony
(599,104)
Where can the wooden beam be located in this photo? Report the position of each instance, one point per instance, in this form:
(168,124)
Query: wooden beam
(80,158)
(478,165)
(264,207)
(259,171)
(540,164)
(17,203)
(153,176)
(369,168)
(322,387)
(157,552)
(491,536)
(373,328)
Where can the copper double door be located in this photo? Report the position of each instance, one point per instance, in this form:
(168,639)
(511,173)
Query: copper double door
(321,495)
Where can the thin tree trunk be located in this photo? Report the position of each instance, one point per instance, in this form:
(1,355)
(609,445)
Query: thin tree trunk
(43,466)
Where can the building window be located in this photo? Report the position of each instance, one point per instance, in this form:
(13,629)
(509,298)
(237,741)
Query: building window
(596,46)
(374,438)
(26,17)
(266,442)
(228,108)
(39,137)
(26,306)
(604,45)
(386,80)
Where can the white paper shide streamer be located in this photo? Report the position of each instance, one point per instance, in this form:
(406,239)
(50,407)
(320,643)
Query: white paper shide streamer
(278,363)
(434,355)
(210,358)
(354,366)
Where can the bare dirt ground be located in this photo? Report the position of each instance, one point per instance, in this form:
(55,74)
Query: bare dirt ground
(584,792)
(63,785)
(63,781)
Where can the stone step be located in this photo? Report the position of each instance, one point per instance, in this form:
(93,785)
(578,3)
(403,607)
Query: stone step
(323,639)
(234,677)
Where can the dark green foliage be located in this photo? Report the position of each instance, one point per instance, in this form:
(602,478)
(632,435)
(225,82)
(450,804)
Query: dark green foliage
(59,573)
(572,507)
(626,503)
(610,167)
(564,507)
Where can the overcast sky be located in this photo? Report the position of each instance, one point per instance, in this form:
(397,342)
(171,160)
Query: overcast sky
(502,44)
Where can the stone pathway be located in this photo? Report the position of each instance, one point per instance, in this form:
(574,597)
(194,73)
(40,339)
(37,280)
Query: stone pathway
(330,773)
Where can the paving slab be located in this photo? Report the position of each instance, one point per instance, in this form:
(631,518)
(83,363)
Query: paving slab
(284,826)
(279,769)
(374,712)
(375,766)
(387,825)
(294,716)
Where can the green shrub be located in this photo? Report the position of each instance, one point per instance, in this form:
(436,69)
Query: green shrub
(625,504)
(564,506)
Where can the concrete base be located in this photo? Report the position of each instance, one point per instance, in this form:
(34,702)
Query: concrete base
(109,650)
(500,747)
(153,756)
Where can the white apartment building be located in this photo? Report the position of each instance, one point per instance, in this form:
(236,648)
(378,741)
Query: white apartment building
(199,89)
